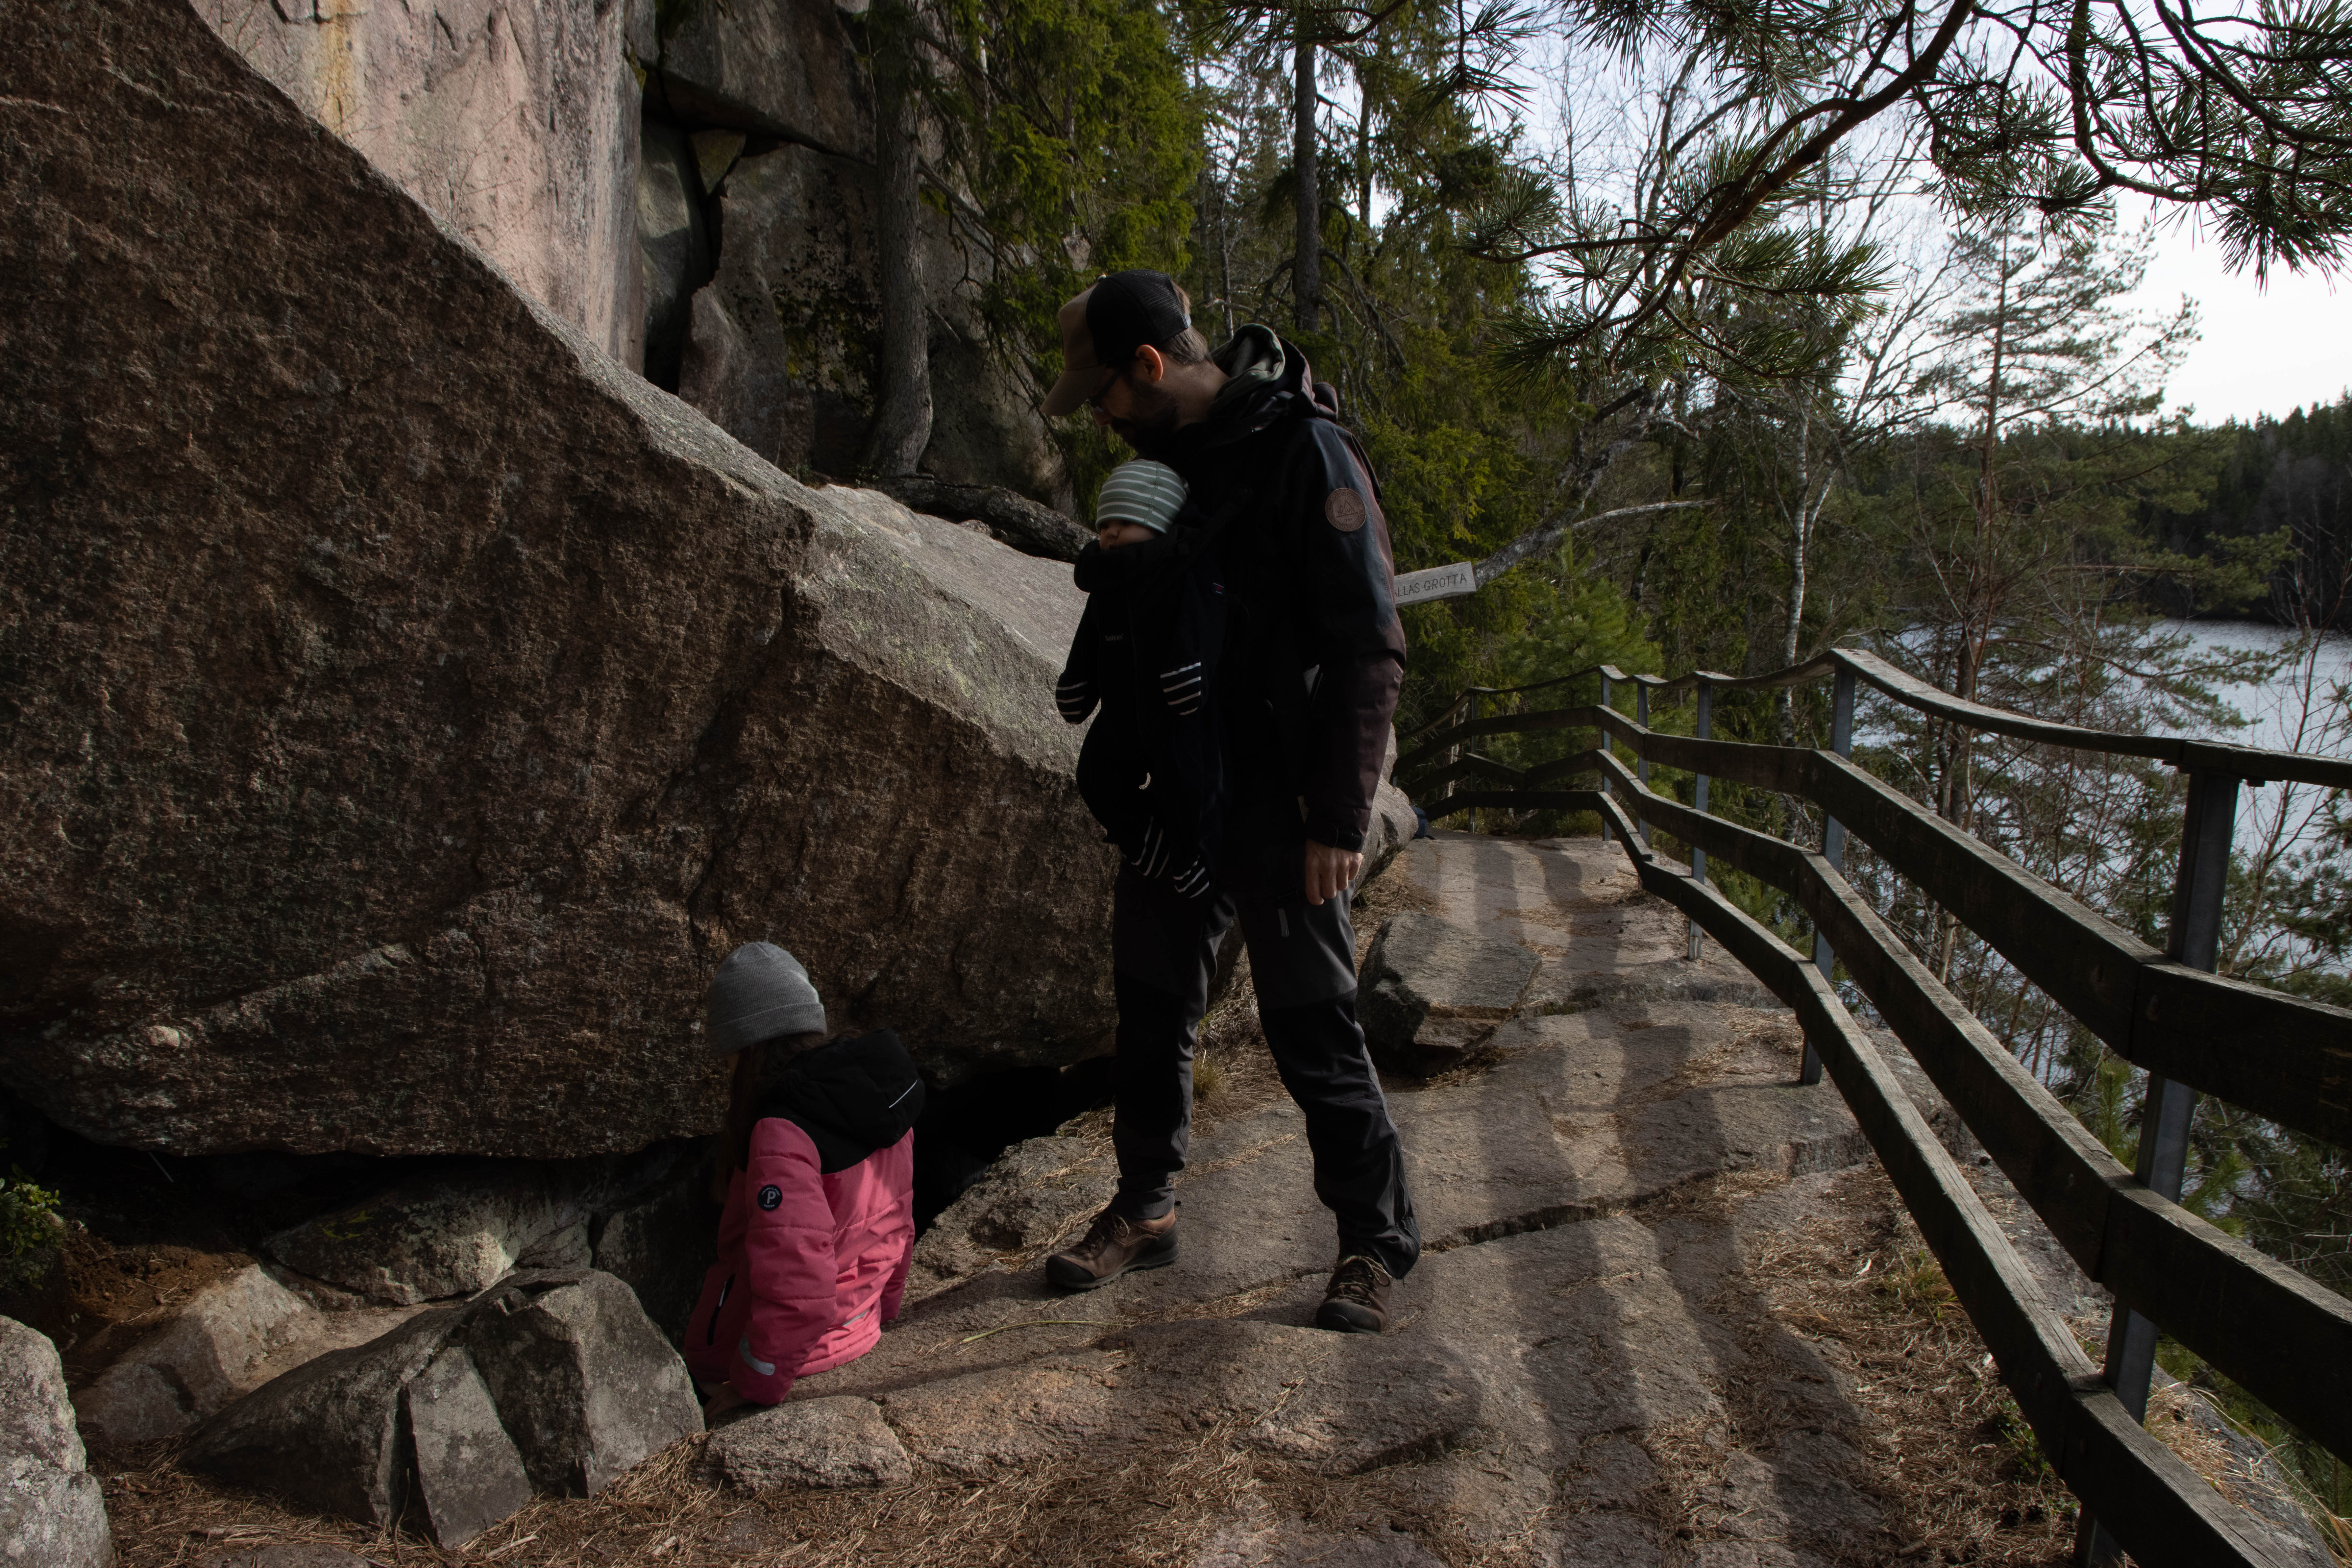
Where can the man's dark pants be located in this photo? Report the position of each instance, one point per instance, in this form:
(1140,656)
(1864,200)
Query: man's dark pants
(1302,962)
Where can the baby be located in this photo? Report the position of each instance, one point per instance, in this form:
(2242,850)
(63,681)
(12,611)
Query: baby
(1143,651)
(818,1166)
(1138,503)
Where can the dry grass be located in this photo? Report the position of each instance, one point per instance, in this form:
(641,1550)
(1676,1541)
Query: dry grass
(115,1295)
(2190,1424)
(1956,1470)
(1145,1507)
(1233,1072)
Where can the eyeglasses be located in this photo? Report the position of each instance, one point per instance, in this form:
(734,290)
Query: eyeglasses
(1095,402)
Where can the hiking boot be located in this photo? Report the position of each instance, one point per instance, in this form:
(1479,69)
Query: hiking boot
(1113,1245)
(1357,1299)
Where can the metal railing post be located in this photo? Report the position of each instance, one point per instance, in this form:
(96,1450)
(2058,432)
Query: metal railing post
(1833,848)
(1474,719)
(1702,727)
(1641,763)
(1604,746)
(2198,894)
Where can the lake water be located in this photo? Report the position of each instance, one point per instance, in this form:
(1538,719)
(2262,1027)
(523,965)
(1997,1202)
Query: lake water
(2297,711)
(2278,716)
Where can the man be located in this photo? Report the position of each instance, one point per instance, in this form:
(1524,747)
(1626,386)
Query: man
(1285,511)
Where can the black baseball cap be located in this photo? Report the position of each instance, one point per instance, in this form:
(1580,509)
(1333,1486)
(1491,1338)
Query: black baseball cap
(1102,327)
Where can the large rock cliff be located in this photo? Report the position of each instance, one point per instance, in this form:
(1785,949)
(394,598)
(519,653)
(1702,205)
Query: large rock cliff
(688,183)
(405,705)
(517,124)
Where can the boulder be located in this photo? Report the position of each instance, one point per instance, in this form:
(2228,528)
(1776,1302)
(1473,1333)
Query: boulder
(778,67)
(461,1230)
(1038,1191)
(204,1358)
(467,1470)
(660,1246)
(813,1443)
(329,1435)
(516,125)
(785,333)
(567,1248)
(985,427)
(1393,823)
(715,152)
(583,1383)
(556,1377)
(52,1512)
(1432,991)
(416,705)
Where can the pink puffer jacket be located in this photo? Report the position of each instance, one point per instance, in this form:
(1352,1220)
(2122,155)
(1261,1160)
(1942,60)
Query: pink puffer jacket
(812,1261)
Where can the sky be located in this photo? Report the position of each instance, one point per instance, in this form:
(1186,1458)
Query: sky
(2264,350)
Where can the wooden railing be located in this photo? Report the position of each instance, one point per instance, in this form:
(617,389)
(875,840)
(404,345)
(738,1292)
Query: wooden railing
(2284,1338)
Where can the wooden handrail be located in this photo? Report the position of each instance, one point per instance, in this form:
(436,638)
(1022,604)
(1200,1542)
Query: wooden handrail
(2163,1511)
(2277,1333)
(1497,725)
(2206,1288)
(2179,751)
(2295,1068)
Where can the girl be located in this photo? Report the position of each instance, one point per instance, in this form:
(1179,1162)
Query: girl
(816,1174)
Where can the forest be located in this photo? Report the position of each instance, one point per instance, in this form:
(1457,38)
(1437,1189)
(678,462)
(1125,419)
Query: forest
(1720,335)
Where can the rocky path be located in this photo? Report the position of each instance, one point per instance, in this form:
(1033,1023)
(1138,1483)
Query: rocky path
(1668,1314)
(1592,1188)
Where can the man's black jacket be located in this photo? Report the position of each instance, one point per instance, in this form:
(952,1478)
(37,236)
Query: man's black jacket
(1313,653)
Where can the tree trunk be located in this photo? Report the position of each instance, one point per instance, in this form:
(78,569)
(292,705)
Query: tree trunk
(1307,265)
(902,411)
(1801,539)
(1976,613)
(1012,517)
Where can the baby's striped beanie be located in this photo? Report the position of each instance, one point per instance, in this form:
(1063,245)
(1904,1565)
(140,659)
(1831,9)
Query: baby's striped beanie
(1142,491)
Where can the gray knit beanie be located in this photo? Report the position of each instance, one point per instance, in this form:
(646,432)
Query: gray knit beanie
(1142,491)
(760,991)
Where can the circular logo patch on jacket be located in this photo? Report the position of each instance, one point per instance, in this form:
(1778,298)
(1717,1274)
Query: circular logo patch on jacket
(771,1196)
(1345,509)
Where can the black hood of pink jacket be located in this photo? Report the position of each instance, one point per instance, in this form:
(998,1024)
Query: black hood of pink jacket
(851,1096)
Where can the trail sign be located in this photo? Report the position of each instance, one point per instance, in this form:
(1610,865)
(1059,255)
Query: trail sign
(1437,583)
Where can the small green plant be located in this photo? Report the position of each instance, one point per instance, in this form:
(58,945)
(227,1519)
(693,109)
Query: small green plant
(2008,1426)
(1916,1283)
(27,1219)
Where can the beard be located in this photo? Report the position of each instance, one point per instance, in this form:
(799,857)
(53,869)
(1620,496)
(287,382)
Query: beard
(1153,422)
